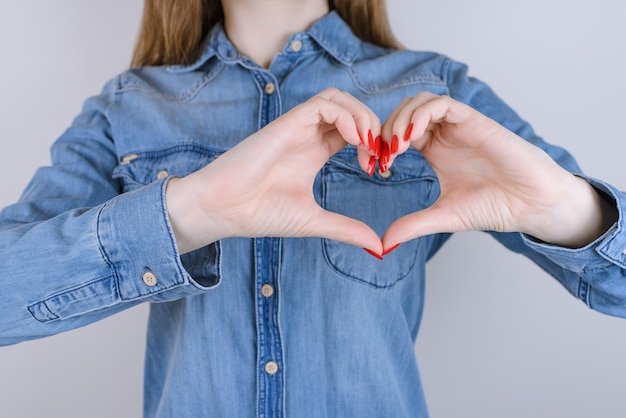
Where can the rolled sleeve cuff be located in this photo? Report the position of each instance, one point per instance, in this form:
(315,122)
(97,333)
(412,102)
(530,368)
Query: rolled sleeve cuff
(136,238)
(611,246)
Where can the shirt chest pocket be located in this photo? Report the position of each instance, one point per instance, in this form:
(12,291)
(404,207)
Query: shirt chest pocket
(142,168)
(409,185)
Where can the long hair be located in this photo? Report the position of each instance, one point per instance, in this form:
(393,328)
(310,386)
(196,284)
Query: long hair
(172,31)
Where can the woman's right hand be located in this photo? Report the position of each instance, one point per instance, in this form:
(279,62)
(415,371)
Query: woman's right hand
(264,185)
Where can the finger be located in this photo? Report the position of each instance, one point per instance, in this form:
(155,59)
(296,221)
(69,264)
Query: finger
(345,229)
(399,128)
(367,122)
(367,161)
(388,128)
(346,115)
(391,146)
(431,111)
(413,119)
(432,220)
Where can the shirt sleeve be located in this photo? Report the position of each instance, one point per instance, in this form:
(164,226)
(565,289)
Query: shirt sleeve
(75,249)
(596,274)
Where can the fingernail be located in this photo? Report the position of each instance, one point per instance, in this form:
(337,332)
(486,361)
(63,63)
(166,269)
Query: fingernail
(371,166)
(360,138)
(372,253)
(370,142)
(407,135)
(394,144)
(388,250)
(384,157)
(378,143)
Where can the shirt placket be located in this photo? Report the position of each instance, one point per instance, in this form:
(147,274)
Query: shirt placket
(270,365)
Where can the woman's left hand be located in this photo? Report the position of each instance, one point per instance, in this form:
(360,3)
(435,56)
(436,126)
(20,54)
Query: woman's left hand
(490,178)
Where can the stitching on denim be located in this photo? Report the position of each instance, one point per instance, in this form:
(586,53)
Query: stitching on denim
(218,261)
(50,316)
(333,161)
(384,182)
(103,252)
(583,291)
(410,81)
(342,273)
(70,290)
(186,96)
(337,270)
(112,104)
(175,149)
(407,81)
(346,58)
(170,233)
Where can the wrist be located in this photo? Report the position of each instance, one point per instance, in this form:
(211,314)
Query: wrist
(584,216)
(191,226)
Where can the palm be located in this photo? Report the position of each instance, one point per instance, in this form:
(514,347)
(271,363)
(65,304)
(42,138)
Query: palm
(264,185)
(490,179)
(488,186)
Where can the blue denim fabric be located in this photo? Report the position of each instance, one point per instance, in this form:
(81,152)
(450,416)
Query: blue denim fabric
(339,325)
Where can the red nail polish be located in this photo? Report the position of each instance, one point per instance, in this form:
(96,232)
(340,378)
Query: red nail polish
(388,250)
(370,141)
(384,157)
(372,253)
(371,165)
(360,138)
(394,144)
(407,135)
(378,143)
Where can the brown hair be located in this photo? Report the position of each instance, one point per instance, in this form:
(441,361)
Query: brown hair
(172,31)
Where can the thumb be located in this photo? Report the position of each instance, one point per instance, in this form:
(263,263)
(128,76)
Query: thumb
(432,220)
(342,228)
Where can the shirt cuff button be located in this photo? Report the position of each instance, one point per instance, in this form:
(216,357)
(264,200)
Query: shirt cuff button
(149,279)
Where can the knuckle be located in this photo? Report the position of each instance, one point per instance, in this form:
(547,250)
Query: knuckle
(425,95)
(330,92)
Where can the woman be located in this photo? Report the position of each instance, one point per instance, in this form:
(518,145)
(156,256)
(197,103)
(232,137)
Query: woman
(298,326)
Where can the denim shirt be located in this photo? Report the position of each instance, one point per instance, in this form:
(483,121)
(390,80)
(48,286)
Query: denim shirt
(256,327)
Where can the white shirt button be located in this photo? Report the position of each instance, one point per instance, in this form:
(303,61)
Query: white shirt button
(384,175)
(149,279)
(162,174)
(269,88)
(271,368)
(296,45)
(624,252)
(267,290)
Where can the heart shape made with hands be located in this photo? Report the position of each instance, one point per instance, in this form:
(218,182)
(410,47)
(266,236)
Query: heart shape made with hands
(263,186)
(482,169)
(282,160)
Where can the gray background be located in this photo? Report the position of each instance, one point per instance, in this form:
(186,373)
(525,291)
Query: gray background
(499,339)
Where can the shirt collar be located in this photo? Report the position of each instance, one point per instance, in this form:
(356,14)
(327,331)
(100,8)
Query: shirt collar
(330,33)
(336,37)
